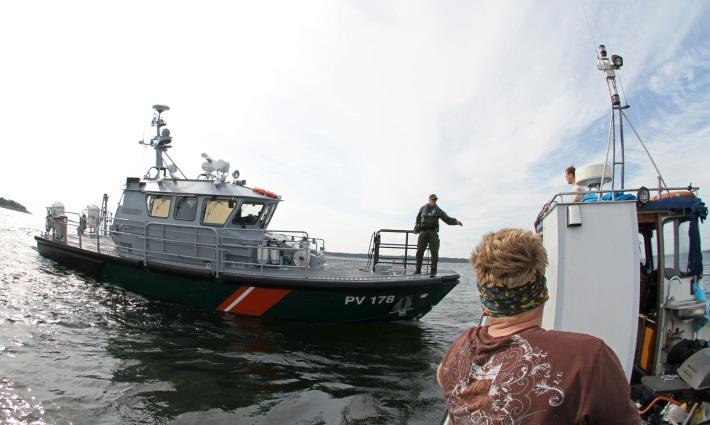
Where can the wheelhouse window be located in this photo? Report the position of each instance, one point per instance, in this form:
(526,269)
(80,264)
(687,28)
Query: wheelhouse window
(216,212)
(158,206)
(676,247)
(185,208)
(249,214)
(647,248)
(265,216)
(683,246)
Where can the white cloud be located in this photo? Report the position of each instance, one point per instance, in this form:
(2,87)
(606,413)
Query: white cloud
(353,111)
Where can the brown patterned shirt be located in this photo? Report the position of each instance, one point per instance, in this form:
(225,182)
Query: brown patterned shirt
(534,377)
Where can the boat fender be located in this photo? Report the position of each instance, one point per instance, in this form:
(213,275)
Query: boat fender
(676,194)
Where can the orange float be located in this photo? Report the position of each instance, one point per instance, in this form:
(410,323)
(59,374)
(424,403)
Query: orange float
(265,192)
(677,194)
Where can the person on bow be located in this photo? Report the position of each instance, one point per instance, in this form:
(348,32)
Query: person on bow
(571,180)
(511,370)
(427,226)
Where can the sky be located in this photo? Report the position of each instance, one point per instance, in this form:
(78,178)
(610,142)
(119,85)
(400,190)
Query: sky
(353,111)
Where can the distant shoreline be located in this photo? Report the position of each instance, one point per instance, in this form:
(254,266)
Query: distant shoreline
(12,205)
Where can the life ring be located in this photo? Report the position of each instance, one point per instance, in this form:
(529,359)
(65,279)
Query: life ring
(265,192)
(677,194)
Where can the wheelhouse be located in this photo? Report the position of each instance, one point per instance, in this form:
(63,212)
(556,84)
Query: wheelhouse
(628,272)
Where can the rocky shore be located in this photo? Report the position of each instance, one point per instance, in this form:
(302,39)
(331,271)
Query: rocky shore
(12,205)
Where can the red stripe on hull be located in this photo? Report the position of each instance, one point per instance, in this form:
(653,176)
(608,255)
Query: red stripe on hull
(231,298)
(259,301)
(251,301)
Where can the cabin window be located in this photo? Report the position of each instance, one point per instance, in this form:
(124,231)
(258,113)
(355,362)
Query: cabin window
(676,247)
(683,246)
(248,214)
(215,212)
(266,216)
(185,208)
(158,206)
(647,249)
(653,245)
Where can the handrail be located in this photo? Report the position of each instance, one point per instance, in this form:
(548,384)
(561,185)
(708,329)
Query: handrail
(629,190)
(406,246)
(553,201)
(174,237)
(155,223)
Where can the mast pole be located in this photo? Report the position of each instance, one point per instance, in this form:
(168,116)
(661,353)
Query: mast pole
(610,65)
(162,139)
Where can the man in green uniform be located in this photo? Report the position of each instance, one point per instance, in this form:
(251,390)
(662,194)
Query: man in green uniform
(427,226)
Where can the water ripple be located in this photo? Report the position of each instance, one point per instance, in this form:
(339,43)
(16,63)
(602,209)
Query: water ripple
(74,350)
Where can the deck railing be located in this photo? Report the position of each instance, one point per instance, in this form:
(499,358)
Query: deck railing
(395,247)
(187,246)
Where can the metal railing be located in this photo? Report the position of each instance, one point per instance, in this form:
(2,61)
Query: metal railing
(558,198)
(613,192)
(188,246)
(397,252)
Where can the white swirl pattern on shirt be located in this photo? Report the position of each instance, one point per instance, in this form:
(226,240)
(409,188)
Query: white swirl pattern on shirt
(518,375)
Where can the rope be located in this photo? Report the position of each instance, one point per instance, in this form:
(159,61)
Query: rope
(176,166)
(657,399)
(589,27)
(621,85)
(644,148)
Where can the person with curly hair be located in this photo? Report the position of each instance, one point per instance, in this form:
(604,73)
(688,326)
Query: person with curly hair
(512,371)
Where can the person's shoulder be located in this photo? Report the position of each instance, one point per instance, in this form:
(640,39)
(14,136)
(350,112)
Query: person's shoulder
(573,340)
(467,335)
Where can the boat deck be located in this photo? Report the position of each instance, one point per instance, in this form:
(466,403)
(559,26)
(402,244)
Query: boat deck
(335,268)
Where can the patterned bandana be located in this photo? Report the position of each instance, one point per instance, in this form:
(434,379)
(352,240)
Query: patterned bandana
(500,301)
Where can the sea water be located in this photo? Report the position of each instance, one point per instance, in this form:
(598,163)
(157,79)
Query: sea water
(74,350)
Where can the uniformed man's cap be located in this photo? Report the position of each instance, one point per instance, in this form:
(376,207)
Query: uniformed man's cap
(433,196)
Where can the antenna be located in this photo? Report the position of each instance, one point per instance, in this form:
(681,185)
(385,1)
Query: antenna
(609,65)
(161,141)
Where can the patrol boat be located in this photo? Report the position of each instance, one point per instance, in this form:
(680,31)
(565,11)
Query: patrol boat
(207,242)
(625,264)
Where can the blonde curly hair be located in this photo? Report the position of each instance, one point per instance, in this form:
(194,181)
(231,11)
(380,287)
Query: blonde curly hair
(509,257)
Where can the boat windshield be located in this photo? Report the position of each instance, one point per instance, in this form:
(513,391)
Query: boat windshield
(185,208)
(158,206)
(215,212)
(676,247)
(248,214)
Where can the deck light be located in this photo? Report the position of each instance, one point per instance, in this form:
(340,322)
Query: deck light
(643,195)
(617,60)
(602,51)
(165,138)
